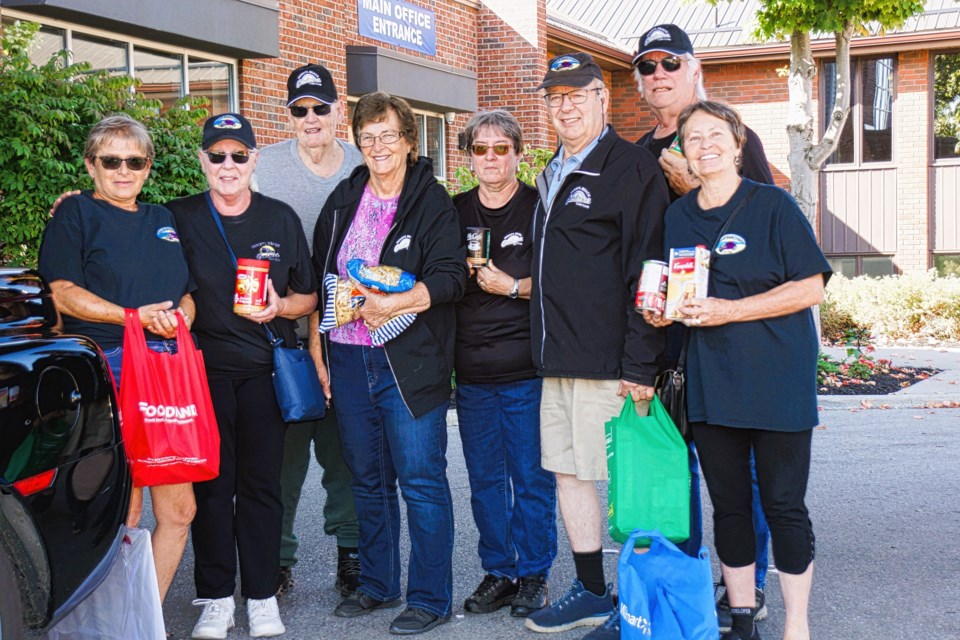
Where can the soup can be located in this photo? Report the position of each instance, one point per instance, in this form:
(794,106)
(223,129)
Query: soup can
(478,246)
(652,288)
(250,293)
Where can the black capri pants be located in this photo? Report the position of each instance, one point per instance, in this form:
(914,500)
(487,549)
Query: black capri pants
(783,467)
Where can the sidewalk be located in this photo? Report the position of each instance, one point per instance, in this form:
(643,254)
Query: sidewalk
(943,387)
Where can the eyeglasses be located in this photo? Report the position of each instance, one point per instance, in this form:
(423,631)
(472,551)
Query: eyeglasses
(669,64)
(387,137)
(301,112)
(481,149)
(112,163)
(577,96)
(217,157)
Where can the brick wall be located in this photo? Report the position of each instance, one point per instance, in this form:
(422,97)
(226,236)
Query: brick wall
(911,127)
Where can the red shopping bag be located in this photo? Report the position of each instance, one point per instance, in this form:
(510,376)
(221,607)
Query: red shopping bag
(169,429)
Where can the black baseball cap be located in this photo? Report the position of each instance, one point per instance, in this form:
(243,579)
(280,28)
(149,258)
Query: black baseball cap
(571,70)
(228,126)
(311,81)
(668,38)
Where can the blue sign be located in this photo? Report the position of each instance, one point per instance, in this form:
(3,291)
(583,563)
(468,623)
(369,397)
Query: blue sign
(398,23)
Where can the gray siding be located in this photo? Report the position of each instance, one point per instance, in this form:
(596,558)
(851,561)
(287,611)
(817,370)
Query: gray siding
(946,208)
(858,214)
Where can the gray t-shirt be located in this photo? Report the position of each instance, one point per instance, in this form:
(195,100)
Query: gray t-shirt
(281,174)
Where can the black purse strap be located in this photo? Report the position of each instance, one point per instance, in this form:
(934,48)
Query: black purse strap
(274,342)
(713,256)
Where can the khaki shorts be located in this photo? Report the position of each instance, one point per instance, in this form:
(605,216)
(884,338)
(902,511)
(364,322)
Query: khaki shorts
(573,412)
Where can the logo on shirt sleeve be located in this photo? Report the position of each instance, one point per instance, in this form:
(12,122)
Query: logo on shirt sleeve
(730,243)
(514,239)
(168,233)
(402,244)
(580,197)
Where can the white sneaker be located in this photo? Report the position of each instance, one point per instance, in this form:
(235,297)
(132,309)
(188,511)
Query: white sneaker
(264,617)
(216,619)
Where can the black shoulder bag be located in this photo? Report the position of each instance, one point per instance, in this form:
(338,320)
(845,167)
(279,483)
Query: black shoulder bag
(295,380)
(671,384)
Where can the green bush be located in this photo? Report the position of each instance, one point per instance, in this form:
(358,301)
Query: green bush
(915,306)
(45,114)
(464,178)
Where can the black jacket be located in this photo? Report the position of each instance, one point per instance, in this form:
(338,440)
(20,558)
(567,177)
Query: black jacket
(425,240)
(605,221)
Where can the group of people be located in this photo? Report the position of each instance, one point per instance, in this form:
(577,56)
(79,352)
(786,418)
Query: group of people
(543,338)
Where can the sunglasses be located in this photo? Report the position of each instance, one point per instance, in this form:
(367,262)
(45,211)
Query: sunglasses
(216,157)
(112,163)
(669,64)
(481,149)
(318,109)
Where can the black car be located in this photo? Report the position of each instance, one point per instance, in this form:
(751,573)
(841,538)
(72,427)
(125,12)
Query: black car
(64,481)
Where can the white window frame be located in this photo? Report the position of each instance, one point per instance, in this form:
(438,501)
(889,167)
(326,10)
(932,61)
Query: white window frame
(69,28)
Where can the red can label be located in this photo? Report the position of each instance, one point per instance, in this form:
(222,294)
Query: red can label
(652,288)
(250,293)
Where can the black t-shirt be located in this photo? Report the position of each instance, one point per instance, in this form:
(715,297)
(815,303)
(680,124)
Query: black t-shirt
(129,258)
(234,347)
(493,332)
(754,162)
(759,374)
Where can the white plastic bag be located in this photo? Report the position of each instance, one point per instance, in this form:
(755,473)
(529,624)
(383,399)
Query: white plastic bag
(126,605)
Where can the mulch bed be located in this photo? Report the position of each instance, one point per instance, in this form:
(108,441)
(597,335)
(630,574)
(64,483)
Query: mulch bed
(881,383)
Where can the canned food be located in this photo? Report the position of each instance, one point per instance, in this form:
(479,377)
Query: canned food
(652,288)
(250,292)
(478,246)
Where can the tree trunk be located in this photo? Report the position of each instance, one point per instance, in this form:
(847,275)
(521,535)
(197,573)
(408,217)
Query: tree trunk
(800,123)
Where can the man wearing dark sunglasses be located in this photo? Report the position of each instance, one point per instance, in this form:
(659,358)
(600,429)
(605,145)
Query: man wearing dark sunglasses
(302,172)
(669,77)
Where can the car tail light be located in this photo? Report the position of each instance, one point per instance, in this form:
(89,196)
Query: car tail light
(33,484)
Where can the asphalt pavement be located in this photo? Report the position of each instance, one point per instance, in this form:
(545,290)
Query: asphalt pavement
(883,497)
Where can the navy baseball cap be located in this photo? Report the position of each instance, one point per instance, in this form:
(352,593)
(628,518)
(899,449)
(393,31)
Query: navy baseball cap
(311,81)
(228,126)
(571,70)
(668,38)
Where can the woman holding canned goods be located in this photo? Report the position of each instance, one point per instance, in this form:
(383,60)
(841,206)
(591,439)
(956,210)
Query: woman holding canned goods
(104,252)
(751,360)
(239,513)
(392,400)
(498,390)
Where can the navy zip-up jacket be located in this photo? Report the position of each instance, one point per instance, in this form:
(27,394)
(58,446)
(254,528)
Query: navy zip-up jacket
(588,251)
(425,240)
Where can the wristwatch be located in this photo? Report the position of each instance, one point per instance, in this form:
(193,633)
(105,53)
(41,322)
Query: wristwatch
(515,291)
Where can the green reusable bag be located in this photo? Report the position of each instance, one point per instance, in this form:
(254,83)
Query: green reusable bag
(649,485)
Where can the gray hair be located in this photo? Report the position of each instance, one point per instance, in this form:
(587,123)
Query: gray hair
(118,126)
(500,119)
(694,65)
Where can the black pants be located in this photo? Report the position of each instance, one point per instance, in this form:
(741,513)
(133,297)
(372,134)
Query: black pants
(783,466)
(251,454)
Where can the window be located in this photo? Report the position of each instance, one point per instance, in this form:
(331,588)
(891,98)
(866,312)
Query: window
(852,266)
(947,265)
(871,111)
(166,73)
(946,106)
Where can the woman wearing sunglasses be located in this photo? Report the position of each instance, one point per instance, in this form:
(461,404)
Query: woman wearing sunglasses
(104,252)
(239,513)
(498,390)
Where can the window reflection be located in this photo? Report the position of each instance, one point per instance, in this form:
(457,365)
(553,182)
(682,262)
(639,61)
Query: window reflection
(946,106)
(211,80)
(101,53)
(161,75)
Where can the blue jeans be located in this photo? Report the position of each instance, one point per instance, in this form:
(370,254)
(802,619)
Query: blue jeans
(691,546)
(760,529)
(115,356)
(383,445)
(513,499)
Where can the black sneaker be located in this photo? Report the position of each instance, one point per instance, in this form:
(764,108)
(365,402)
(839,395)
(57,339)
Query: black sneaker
(284,580)
(531,596)
(348,571)
(736,635)
(415,620)
(494,592)
(359,604)
(609,630)
(724,619)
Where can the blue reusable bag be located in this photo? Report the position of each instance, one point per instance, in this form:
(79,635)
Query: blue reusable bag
(664,593)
